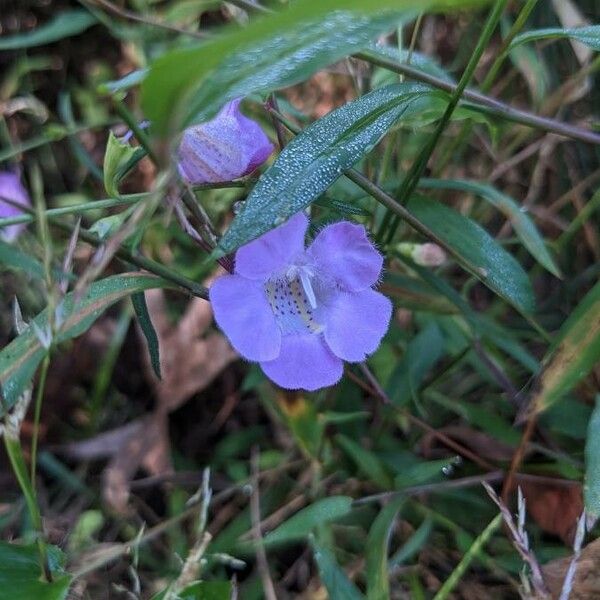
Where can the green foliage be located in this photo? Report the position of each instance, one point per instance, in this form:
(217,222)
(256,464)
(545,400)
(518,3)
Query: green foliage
(339,587)
(19,360)
(590,36)
(591,489)
(119,158)
(304,521)
(576,351)
(63,25)
(141,311)
(20,576)
(311,162)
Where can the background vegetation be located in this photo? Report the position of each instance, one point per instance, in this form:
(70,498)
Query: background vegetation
(479,133)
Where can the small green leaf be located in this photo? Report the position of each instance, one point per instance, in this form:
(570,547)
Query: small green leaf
(481,254)
(20,576)
(313,160)
(591,488)
(574,353)
(378,585)
(300,525)
(338,586)
(20,358)
(367,462)
(119,159)
(65,24)
(141,310)
(524,227)
(590,36)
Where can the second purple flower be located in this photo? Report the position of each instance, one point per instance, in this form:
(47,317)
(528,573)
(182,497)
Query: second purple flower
(300,312)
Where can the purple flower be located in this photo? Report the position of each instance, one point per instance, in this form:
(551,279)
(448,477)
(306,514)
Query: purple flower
(301,312)
(12,189)
(228,147)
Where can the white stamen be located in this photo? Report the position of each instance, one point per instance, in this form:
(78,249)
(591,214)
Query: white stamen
(307,286)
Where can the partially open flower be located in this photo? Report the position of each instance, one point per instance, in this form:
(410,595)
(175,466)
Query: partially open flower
(301,312)
(228,147)
(12,194)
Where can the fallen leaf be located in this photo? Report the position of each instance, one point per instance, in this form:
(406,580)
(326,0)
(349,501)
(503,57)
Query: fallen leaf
(555,508)
(586,584)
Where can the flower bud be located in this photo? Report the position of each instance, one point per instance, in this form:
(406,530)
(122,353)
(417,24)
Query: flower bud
(228,147)
(425,255)
(12,193)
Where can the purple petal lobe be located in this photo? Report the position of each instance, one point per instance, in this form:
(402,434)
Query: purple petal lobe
(305,362)
(242,311)
(12,189)
(343,252)
(356,322)
(229,146)
(273,251)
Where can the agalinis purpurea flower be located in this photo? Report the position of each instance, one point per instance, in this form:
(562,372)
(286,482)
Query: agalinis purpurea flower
(228,147)
(12,189)
(300,312)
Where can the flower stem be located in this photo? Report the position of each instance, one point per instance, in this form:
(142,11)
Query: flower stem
(37,410)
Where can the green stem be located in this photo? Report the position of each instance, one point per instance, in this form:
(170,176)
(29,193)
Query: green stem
(456,145)
(468,558)
(77,208)
(411,181)
(36,418)
(485,103)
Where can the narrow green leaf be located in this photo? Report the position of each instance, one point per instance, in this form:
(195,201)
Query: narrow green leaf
(479,252)
(20,358)
(524,227)
(337,583)
(573,355)
(378,585)
(314,159)
(65,24)
(119,159)
(366,461)
(11,256)
(590,36)
(422,353)
(20,577)
(141,310)
(273,51)
(591,488)
(300,525)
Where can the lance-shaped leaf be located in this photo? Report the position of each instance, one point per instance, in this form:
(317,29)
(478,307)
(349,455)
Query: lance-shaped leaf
(591,489)
(313,160)
(590,35)
(574,353)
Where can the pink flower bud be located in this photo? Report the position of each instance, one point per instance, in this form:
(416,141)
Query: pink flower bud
(226,148)
(12,193)
(426,255)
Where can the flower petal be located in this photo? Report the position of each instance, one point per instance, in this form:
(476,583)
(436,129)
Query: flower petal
(229,146)
(343,251)
(356,323)
(272,251)
(243,312)
(11,188)
(305,362)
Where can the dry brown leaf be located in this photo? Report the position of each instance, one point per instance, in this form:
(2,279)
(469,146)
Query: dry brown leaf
(586,584)
(555,508)
(188,361)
